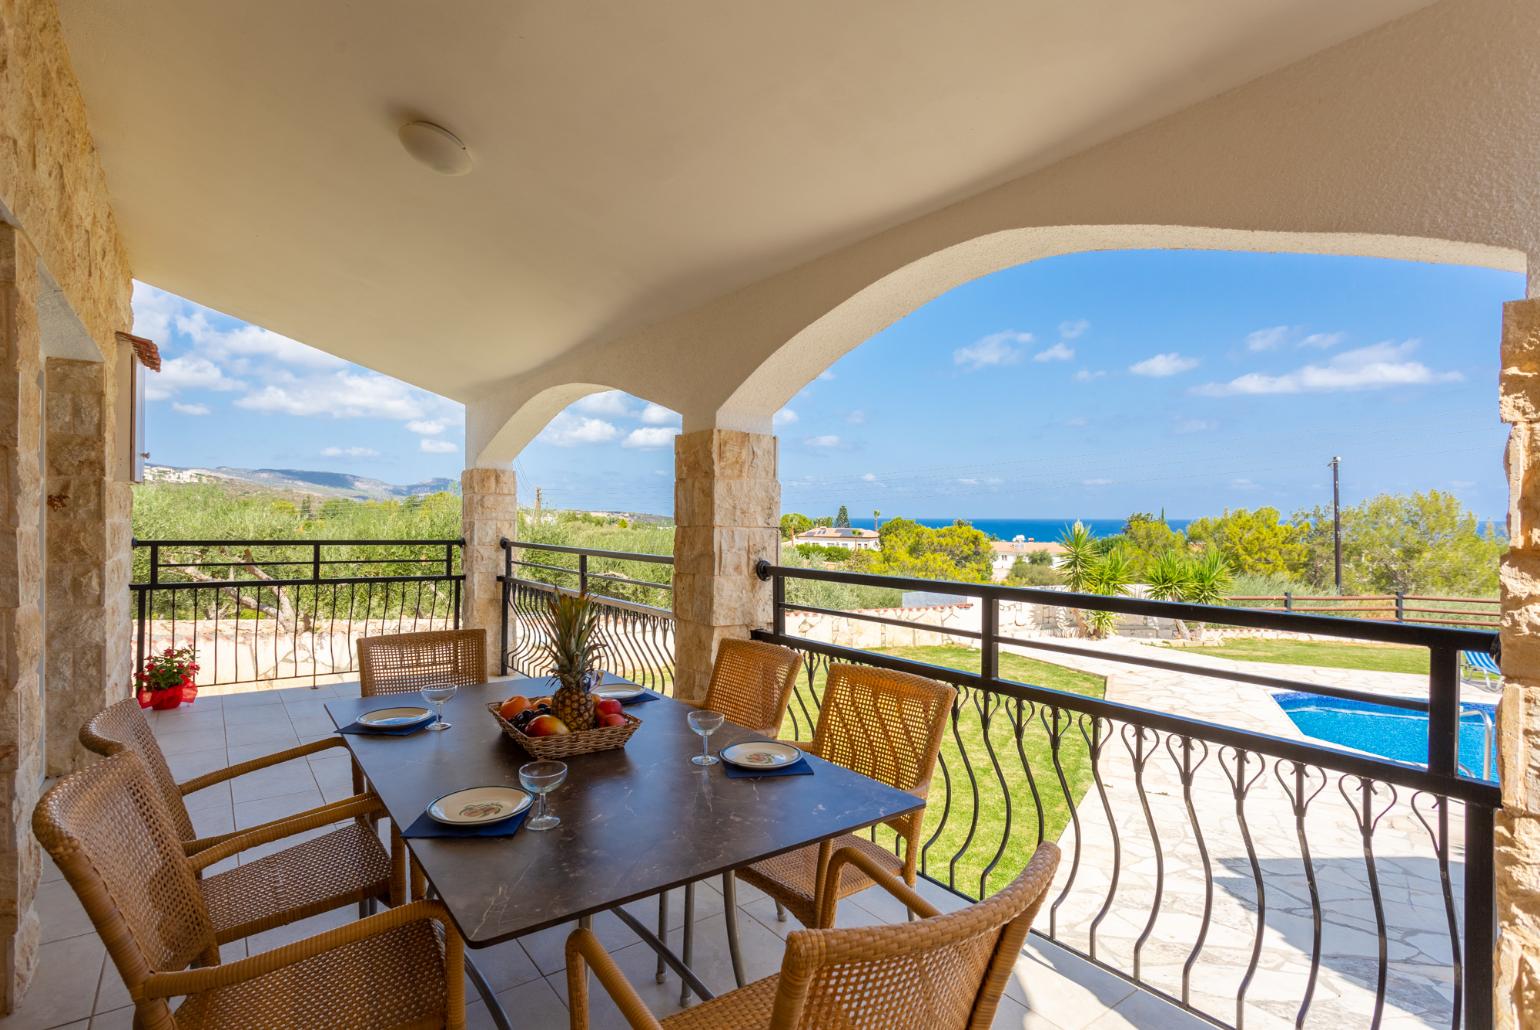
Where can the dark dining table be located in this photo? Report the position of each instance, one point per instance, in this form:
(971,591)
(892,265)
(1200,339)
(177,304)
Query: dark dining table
(635,821)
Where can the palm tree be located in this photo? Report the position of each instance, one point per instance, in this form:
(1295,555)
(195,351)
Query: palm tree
(1109,577)
(1080,557)
(1209,579)
(1169,578)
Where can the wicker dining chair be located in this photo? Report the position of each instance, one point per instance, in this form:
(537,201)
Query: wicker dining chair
(112,838)
(404,663)
(883,724)
(941,972)
(344,866)
(751,684)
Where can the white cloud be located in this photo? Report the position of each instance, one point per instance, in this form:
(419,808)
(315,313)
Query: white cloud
(969,482)
(1058,352)
(651,438)
(1161,365)
(784,417)
(188,372)
(430,446)
(856,417)
(612,403)
(249,341)
(154,311)
(569,430)
(1085,375)
(1375,367)
(1077,422)
(1005,348)
(351,452)
(426,426)
(658,415)
(340,395)
(826,375)
(190,409)
(1323,341)
(1096,482)
(1244,484)
(869,478)
(1194,425)
(1266,339)
(1073,330)
(828,440)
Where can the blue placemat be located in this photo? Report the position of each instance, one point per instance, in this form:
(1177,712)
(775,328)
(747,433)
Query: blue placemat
(377,731)
(797,768)
(641,699)
(427,826)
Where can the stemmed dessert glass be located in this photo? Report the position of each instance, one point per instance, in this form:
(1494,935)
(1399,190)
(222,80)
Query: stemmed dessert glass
(540,778)
(705,722)
(436,694)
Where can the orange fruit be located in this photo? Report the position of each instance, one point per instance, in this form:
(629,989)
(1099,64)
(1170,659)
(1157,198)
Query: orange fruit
(513,706)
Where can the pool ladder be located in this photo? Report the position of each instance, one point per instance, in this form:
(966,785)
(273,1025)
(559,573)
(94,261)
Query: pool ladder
(1488,743)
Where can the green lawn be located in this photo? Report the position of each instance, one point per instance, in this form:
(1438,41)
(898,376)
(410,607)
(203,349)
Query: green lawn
(956,858)
(1325,654)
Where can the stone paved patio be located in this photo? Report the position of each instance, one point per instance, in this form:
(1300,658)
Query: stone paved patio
(76,987)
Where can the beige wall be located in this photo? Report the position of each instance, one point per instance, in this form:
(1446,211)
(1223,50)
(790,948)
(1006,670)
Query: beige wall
(59,250)
(1420,140)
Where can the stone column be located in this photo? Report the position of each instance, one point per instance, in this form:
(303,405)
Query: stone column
(1518,823)
(489,513)
(88,533)
(21,701)
(727,505)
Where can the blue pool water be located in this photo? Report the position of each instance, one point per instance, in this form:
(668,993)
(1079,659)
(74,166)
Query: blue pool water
(1390,732)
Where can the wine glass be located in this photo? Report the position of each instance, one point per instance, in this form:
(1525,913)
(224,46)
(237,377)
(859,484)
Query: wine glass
(705,722)
(436,694)
(540,778)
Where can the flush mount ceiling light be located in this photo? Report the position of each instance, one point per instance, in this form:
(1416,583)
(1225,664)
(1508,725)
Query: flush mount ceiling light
(436,147)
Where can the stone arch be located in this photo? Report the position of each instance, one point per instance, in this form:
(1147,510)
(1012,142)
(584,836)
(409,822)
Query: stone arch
(495,436)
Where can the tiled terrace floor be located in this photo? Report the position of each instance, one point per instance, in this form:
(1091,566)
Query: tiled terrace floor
(77,987)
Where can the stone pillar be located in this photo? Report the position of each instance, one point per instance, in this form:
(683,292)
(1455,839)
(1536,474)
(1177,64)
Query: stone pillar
(727,505)
(88,533)
(21,701)
(489,512)
(1517,1003)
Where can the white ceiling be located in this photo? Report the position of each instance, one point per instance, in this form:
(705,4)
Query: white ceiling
(633,159)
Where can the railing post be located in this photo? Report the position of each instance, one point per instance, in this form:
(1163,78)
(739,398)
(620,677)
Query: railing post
(989,642)
(1443,711)
(1400,605)
(154,564)
(143,627)
(449,559)
(582,573)
(315,563)
(1480,915)
(1288,600)
(777,602)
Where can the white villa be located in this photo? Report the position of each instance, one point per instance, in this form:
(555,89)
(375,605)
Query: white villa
(1007,551)
(841,536)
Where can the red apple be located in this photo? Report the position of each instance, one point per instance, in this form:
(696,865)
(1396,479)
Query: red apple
(546,726)
(612,719)
(607,706)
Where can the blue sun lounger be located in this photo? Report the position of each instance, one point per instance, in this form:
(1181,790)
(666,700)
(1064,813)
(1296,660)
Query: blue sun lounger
(1479,663)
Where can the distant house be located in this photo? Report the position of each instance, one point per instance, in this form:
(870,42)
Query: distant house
(1007,551)
(837,536)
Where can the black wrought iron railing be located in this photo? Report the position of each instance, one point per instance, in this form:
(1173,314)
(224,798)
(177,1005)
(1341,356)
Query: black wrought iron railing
(285,610)
(636,616)
(1214,854)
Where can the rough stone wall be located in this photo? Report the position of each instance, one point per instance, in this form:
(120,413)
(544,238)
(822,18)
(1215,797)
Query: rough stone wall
(53,191)
(21,573)
(489,512)
(727,505)
(87,531)
(1518,823)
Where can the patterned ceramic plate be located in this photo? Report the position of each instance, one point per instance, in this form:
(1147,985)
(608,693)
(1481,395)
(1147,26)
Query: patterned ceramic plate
(618,691)
(476,806)
(391,718)
(761,754)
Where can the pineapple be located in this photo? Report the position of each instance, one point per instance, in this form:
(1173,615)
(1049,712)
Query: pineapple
(572,645)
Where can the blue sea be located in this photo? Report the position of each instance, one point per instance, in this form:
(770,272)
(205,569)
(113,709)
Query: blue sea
(1039,529)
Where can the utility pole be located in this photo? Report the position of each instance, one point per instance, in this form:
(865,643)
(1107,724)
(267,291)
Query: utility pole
(876,519)
(1336,518)
(537,506)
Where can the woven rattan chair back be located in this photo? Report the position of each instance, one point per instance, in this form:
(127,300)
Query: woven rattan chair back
(123,727)
(404,663)
(883,724)
(110,836)
(751,683)
(939,973)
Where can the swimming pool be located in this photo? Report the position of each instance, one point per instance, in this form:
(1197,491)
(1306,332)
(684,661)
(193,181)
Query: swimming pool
(1391,732)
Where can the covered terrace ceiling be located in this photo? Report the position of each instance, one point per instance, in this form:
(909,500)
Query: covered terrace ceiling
(632,159)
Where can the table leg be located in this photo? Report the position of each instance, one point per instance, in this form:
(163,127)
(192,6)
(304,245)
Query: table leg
(662,973)
(499,1017)
(650,939)
(689,939)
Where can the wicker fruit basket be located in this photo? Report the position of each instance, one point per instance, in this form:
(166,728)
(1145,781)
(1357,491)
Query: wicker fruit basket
(566,745)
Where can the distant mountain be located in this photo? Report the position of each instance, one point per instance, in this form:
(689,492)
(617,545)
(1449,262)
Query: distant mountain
(300,481)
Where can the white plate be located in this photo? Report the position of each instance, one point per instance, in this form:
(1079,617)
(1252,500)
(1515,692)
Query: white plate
(761,754)
(391,718)
(477,806)
(618,692)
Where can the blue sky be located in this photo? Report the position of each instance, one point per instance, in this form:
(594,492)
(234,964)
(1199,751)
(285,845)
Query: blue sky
(1089,385)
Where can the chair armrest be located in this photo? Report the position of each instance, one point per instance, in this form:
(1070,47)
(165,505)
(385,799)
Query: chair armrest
(583,947)
(208,779)
(200,844)
(829,898)
(280,828)
(210,978)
